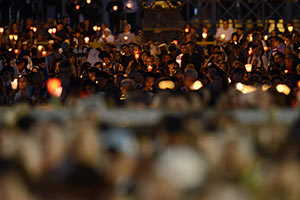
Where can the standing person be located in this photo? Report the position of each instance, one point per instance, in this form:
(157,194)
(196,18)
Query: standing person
(115,9)
(126,37)
(130,8)
(224,33)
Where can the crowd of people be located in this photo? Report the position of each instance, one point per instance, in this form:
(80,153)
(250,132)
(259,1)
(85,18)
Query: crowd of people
(184,156)
(39,61)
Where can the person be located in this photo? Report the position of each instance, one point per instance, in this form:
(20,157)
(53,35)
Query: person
(258,59)
(126,37)
(130,9)
(224,33)
(107,37)
(115,9)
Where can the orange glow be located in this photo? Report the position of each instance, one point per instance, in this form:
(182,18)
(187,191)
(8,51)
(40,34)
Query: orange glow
(77,7)
(266,48)
(150,68)
(250,51)
(44,53)
(1,30)
(16,51)
(187,30)
(95,28)
(54,87)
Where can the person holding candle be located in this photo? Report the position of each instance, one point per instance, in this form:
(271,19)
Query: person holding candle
(115,9)
(257,58)
(224,33)
(107,37)
(126,37)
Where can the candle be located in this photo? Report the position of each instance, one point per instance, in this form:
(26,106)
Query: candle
(14,84)
(150,68)
(88,1)
(16,51)
(50,31)
(40,47)
(290,28)
(282,88)
(11,37)
(54,30)
(1,30)
(44,53)
(248,67)
(125,37)
(223,36)
(77,7)
(95,28)
(115,8)
(16,37)
(197,85)
(204,35)
(86,40)
(266,37)
(187,30)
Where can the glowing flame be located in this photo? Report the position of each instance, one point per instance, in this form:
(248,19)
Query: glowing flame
(16,51)
(86,40)
(40,47)
(129,5)
(88,1)
(248,67)
(44,53)
(290,28)
(125,37)
(204,35)
(266,48)
(250,51)
(245,89)
(115,8)
(54,87)
(16,37)
(11,37)
(266,37)
(187,30)
(77,7)
(1,30)
(95,28)
(197,85)
(50,31)
(166,84)
(14,84)
(223,36)
(150,68)
(265,87)
(282,88)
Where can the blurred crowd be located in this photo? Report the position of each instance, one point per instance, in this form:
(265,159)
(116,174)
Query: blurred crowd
(182,156)
(187,156)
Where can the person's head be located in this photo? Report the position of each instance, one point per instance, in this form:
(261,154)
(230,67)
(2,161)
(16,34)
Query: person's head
(126,85)
(279,58)
(92,73)
(234,37)
(127,28)
(89,87)
(106,32)
(189,47)
(183,48)
(240,31)
(59,27)
(190,76)
(23,83)
(225,24)
(65,73)
(288,59)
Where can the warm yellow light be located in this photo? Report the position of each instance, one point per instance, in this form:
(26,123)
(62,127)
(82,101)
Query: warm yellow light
(125,37)
(282,88)
(34,29)
(239,86)
(197,85)
(266,48)
(250,38)
(229,80)
(248,67)
(1,30)
(265,87)
(88,1)
(54,30)
(167,84)
(223,36)
(16,37)
(266,37)
(86,40)
(40,47)
(290,28)
(44,53)
(14,84)
(50,31)
(115,8)
(204,35)
(95,28)
(11,37)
